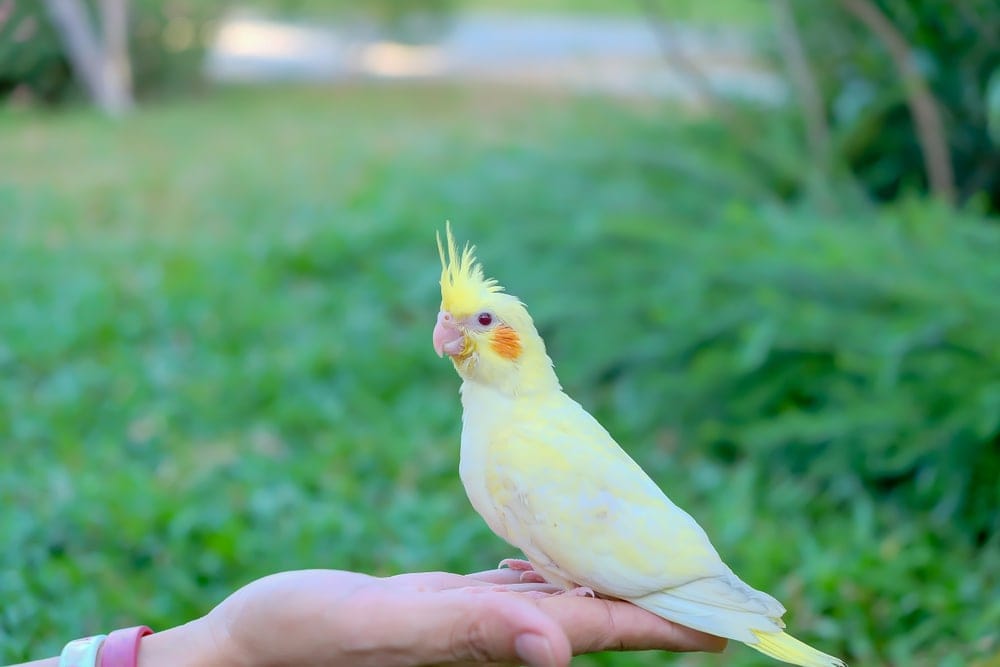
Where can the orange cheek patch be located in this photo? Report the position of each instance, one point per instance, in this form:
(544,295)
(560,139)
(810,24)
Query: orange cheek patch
(506,342)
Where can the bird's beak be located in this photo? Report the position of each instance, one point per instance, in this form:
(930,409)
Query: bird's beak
(448,338)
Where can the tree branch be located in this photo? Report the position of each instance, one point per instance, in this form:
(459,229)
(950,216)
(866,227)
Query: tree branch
(745,130)
(923,106)
(817,128)
(678,59)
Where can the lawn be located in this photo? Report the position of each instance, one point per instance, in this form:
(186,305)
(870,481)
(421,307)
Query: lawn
(215,358)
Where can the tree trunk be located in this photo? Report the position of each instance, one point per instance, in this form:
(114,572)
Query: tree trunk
(117,69)
(102,67)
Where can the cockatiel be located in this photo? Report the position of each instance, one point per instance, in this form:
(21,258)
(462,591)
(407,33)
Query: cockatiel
(551,481)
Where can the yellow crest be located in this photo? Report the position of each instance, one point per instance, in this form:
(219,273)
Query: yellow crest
(464,288)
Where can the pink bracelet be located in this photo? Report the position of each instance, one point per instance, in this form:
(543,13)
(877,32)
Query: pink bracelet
(121,648)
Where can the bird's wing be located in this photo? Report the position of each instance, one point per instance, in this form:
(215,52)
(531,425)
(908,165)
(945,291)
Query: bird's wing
(573,500)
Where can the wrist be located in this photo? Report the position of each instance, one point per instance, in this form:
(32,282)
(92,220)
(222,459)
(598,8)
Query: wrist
(190,645)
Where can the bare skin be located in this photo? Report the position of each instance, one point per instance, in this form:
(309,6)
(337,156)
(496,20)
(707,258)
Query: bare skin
(330,618)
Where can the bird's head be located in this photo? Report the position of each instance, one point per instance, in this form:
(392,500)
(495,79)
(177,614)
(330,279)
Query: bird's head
(488,333)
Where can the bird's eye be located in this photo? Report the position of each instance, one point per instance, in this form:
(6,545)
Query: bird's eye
(485,319)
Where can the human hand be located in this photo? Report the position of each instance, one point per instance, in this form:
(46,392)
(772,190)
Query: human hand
(331,617)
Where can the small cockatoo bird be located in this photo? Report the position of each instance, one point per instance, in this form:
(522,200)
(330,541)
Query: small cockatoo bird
(551,481)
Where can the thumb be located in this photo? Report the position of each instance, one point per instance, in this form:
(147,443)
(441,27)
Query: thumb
(504,628)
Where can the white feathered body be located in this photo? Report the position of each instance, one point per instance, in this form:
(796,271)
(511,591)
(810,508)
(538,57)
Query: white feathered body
(551,481)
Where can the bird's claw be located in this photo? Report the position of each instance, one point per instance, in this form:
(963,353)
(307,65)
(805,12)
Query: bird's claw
(518,564)
(528,574)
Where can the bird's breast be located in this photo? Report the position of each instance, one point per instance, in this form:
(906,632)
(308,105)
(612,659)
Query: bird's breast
(483,411)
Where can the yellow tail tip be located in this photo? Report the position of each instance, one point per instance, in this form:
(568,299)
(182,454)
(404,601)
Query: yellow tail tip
(782,646)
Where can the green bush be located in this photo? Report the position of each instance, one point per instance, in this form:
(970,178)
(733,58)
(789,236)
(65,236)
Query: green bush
(854,354)
(215,359)
(31,55)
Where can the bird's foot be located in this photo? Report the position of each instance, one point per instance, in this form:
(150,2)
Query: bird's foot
(528,574)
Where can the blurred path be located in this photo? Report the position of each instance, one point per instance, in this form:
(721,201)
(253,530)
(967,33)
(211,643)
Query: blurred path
(610,55)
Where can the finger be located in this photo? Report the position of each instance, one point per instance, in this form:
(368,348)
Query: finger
(498,576)
(527,587)
(599,625)
(459,626)
(434,581)
(437,581)
(444,580)
(424,582)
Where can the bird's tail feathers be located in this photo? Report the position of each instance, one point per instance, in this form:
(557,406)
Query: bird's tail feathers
(758,631)
(782,646)
(718,621)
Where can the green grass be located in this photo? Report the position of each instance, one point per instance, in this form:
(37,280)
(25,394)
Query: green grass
(215,357)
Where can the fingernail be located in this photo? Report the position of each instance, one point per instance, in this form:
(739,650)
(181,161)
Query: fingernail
(534,650)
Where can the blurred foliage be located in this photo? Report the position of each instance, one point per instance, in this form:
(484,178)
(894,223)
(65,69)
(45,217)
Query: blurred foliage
(956,45)
(215,358)
(168,39)
(30,53)
(817,347)
(168,42)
